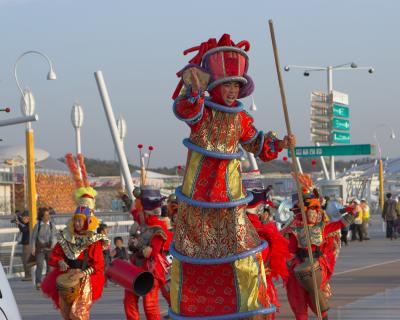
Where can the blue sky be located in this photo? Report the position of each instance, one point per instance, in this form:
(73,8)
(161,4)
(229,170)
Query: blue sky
(138,45)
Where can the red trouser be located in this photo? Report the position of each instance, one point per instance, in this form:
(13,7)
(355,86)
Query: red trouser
(299,299)
(150,305)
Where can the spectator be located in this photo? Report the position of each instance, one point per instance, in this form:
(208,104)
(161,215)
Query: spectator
(266,217)
(22,222)
(325,202)
(42,241)
(357,229)
(103,229)
(390,214)
(365,218)
(126,203)
(119,252)
(52,211)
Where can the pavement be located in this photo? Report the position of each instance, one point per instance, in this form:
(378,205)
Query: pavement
(366,285)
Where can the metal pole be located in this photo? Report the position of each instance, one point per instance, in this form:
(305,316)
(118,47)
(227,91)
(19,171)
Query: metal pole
(13,188)
(330,89)
(295,169)
(10,122)
(323,165)
(30,168)
(381,186)
(78,141)
(114,131)
(123,184)
(299,165)
(253,162)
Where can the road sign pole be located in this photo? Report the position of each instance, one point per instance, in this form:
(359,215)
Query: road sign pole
(381,186)
(330,89)
(323,164)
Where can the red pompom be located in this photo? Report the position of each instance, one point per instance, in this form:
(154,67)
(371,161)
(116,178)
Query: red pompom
(151,148)
(313,162)
(140,146)
(285,158)
(7,110)
(179,167)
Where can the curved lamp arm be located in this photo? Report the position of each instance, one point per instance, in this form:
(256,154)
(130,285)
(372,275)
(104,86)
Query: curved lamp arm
(50,76)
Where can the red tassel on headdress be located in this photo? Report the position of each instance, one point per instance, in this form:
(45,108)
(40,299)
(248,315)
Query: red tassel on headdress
(82,166)
(74,170)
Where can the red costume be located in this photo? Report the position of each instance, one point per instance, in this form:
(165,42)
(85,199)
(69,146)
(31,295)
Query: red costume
(300,298)
(77,251)
(277,254)
(148,244)
(218,259)
(74,255)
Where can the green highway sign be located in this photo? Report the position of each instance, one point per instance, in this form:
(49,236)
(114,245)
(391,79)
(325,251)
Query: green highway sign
(341,124)
(348,150)
(340,110)
(340,137)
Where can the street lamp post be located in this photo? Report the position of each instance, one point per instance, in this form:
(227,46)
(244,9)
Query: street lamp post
(329,72)
(77,122)
(122,130)
(381,175)
(28,109)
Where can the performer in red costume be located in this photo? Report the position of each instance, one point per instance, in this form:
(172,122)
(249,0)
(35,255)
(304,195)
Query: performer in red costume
(218,260)
(277,254)
(147,242)
(77,279)
(300,285)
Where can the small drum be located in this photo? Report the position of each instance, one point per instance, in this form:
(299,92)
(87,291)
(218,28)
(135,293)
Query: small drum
(303,273)
(67,288)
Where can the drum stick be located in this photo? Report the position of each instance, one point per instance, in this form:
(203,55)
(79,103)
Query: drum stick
(294,165)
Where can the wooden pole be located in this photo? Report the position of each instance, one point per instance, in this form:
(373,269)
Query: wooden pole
(295,167)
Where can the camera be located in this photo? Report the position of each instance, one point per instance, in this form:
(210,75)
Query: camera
(371,70)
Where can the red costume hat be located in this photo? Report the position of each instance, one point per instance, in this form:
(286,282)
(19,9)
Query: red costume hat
(224,61)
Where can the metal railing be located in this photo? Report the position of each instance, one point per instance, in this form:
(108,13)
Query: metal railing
(10,250)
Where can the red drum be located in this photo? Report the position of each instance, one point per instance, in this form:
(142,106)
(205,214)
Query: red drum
(131,277)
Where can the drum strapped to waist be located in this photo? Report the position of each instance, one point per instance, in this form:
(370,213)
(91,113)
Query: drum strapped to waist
(303,274)
(130,277)
(68,288)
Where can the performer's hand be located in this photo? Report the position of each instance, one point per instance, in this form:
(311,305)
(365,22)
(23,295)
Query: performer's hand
(287,142)
(78,274)
(147,252)
(62,265)
(195,82)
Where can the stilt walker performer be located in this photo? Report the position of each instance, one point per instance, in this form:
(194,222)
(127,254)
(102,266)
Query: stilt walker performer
(218,270)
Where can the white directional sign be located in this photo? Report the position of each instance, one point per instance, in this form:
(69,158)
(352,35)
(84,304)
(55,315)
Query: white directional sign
(340,97)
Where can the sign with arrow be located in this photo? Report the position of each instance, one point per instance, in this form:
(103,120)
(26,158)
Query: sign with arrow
(340,124)
(340,137)
(340,111)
